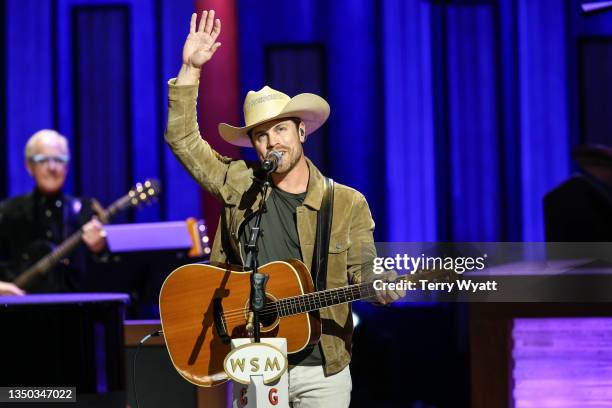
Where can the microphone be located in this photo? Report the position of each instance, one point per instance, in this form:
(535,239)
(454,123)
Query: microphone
(272,161)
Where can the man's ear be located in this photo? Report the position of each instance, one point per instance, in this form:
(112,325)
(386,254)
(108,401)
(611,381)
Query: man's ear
(302,132)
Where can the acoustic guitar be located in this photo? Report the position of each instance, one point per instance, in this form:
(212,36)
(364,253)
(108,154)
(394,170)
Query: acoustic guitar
(203,307)
(140,193)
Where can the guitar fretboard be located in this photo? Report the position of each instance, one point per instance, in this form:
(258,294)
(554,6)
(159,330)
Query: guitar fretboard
(326,298)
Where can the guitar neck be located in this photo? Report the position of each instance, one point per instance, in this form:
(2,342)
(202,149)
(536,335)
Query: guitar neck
(49,260)
(117,206)
(318,300)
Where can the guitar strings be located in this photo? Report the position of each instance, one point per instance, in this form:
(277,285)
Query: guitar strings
(302,300)
(290,304)
(242,318)
(328,294)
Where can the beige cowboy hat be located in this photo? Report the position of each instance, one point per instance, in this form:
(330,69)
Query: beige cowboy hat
(268,104)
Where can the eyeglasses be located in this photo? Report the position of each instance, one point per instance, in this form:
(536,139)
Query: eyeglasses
(44,159)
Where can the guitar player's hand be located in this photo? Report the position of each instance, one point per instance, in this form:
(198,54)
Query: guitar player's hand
(10,289)
(94,235)
(200,46)
(387,296)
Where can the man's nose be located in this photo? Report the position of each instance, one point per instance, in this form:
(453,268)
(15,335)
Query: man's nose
(273,140)
(53,165)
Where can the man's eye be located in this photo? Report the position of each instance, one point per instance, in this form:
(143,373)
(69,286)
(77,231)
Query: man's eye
(282,128)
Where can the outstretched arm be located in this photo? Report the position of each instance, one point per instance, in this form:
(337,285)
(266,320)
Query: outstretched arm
(204,164)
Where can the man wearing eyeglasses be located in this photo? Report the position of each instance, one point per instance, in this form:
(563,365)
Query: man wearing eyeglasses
(32,222)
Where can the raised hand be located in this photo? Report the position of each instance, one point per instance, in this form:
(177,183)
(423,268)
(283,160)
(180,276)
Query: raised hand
(201,43)
(199,47)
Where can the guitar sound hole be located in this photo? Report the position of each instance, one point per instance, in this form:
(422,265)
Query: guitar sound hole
(268,317)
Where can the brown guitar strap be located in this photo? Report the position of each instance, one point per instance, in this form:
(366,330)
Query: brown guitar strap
(324,223)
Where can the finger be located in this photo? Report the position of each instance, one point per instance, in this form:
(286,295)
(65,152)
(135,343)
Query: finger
(192,24)
(214,47)
(103,233)
(393,296)
(202,21)
(216,30)
(209,22)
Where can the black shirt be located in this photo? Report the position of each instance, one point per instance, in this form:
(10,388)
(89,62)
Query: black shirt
(279,241)
(30,225)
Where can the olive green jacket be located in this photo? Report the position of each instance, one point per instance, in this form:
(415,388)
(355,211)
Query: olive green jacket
(235,183)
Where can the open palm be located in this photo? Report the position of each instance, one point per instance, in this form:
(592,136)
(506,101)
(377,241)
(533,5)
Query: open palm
(201,43)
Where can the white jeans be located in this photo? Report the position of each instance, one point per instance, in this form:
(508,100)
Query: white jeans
(309,388)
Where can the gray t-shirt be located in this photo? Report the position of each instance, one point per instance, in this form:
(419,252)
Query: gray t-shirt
(279,241)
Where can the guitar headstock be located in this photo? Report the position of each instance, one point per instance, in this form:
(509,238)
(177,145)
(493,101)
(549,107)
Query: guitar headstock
(144,192)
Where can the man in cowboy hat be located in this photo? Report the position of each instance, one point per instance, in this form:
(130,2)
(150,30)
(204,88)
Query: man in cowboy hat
(319,376)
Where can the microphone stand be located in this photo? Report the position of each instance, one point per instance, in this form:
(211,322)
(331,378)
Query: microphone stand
(258,280)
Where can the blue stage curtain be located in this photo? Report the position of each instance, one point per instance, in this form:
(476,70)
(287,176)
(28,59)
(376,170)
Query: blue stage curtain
(357,130)
(543,107)
(409,124)
(473,124)
(155,33)
(29,82)
(102,148)
(442,127)
(181,194)
(3,128)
